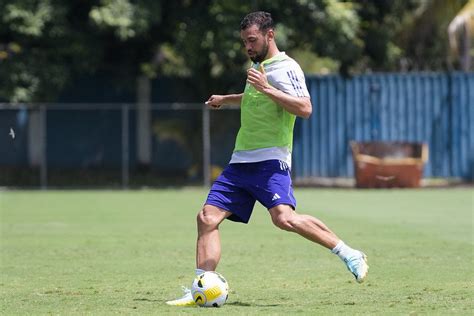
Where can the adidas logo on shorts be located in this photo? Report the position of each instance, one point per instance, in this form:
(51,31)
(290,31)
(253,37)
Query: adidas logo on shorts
(275,197)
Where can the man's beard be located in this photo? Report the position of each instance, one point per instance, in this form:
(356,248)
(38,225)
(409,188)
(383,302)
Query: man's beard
(259,57)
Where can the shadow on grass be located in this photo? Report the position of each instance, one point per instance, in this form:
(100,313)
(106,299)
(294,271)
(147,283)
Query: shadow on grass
(251,305)
(146,300)
(238,303)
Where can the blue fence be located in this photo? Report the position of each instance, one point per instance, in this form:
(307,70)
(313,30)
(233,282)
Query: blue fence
(434,108)
(96,144)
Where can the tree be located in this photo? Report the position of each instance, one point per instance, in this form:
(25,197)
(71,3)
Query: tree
(45,45)
(423,37)
(461,37)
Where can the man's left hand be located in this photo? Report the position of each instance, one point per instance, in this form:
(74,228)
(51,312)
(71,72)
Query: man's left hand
(258,79)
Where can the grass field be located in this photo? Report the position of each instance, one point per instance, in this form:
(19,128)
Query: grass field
(114,252)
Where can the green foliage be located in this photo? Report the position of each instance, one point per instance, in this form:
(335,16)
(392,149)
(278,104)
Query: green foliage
(58,41)
(27,22)
(423,37)
(312,63)
(48,50)
(127,20)
(127,252)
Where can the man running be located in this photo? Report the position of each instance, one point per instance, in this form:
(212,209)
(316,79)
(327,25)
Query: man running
(259,169)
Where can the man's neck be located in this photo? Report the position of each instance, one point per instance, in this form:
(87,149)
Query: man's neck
(272,52)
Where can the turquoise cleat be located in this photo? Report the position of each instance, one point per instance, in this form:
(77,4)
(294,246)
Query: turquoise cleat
(357,265)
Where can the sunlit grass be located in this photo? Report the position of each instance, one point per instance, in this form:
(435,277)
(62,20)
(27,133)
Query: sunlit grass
(109,252)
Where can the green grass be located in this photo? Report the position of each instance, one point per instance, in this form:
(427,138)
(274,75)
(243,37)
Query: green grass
(114,252)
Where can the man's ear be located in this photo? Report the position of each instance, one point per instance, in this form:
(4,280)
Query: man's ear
(271,34)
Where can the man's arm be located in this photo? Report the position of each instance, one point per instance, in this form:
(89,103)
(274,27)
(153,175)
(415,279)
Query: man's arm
(300,106)
(216,101)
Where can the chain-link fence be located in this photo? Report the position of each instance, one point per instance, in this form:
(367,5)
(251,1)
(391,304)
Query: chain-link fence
(114,145)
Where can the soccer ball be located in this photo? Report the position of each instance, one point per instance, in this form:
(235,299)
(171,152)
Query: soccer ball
(210,289)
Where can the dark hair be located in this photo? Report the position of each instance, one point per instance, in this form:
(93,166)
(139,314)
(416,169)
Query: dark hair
(261,19)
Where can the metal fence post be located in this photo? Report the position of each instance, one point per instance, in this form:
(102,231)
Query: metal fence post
(206,144)
(44,154)
(125,146)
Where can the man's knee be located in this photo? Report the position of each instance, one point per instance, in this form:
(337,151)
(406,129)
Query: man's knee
(285,221)
(209,217)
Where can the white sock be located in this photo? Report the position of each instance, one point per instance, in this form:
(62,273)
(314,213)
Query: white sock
(199,271)
(342,250)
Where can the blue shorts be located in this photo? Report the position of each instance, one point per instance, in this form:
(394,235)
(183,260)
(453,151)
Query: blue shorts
(241,184)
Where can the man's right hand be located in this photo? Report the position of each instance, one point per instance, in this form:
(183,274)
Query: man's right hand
(215,101)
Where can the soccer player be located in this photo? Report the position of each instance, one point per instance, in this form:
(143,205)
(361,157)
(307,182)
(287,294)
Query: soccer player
(259,169)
